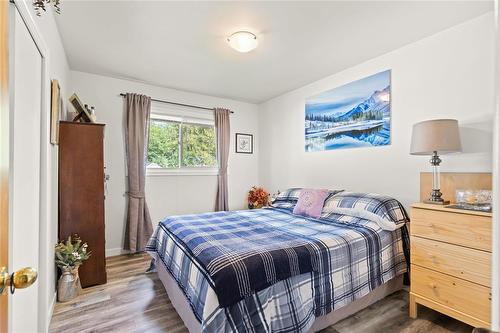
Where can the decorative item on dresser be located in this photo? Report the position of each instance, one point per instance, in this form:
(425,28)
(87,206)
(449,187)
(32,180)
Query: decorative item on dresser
(451,258)
(81,193)
(83,112)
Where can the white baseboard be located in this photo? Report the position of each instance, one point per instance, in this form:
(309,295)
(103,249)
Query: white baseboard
(52,304)
(115,252)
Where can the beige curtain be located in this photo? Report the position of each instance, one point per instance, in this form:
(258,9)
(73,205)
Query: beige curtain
(222,131)
(139,227)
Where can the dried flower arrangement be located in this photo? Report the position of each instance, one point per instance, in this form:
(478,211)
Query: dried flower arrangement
(257,197)
(69,256)
(40,6)
(72,253)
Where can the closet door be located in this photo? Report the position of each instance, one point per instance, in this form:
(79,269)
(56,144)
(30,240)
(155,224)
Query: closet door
(24,195)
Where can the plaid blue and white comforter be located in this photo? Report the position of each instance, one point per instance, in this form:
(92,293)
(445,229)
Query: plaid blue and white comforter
(348,257)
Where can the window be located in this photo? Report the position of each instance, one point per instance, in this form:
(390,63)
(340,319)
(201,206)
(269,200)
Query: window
(163,146)
(198,145)
(178,144)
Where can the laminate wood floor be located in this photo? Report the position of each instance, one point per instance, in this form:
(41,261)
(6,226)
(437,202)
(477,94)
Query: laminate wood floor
(133,301)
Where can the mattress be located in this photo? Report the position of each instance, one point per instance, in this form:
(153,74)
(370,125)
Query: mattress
(183,308)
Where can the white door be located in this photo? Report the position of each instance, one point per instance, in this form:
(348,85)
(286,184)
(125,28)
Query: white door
(26,106)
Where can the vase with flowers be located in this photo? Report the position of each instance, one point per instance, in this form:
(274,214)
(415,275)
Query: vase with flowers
(257,197)
(69,256)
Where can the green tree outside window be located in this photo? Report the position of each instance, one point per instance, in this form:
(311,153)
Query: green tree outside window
(166,150)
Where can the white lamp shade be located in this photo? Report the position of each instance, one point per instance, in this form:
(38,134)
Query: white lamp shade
(440,135)
(243,41)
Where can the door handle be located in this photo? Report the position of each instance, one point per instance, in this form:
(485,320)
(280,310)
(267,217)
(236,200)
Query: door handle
(20,279)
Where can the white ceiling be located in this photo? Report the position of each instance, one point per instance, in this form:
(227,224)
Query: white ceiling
(183,45)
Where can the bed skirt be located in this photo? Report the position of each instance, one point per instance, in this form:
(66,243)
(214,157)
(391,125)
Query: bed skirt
(184,310)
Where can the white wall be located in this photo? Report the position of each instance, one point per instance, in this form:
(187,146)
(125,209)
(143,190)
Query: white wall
(447,75)
(166,195)
(495,279)
(57,69)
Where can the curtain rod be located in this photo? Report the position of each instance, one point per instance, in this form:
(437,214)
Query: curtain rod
(180,104)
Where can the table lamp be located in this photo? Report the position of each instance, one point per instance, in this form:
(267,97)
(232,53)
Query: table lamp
(435,137)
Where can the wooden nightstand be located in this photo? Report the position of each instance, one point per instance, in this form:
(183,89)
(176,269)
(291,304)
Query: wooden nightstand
(451,262)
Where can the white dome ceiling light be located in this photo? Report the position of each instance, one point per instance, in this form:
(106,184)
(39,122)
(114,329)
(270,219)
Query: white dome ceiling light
(243,41)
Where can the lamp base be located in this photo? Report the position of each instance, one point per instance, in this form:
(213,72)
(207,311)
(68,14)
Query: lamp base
(433,202)
(435,198)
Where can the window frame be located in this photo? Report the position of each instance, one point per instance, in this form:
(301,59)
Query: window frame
(182,170)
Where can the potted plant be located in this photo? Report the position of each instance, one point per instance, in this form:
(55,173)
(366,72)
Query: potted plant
(69,256)
(257,197)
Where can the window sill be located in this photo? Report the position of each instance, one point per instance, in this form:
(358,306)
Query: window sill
(156,172)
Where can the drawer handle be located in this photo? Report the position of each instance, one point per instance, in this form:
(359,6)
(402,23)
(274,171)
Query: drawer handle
(435,289)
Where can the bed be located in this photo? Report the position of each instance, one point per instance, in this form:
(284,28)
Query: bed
(269,270)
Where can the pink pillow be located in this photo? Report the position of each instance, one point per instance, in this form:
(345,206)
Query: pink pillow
(311,202)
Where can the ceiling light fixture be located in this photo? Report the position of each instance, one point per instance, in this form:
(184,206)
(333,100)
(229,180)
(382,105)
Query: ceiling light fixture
(243,41)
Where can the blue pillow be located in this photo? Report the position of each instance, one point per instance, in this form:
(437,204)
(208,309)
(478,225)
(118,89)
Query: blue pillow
(287,199)
(386,211)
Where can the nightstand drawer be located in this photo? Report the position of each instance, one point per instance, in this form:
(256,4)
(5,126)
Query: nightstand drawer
(461,229)
(457,294)
(469,264)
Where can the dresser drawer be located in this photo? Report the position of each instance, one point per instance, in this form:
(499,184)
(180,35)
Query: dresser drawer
(469,264)
(460,295)
(461,229)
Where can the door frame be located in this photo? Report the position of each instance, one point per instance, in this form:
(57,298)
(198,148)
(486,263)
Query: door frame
(495,283)
(4,152)
(46,254)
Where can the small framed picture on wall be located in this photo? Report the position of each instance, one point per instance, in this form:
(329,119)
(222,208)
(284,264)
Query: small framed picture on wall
(244,143)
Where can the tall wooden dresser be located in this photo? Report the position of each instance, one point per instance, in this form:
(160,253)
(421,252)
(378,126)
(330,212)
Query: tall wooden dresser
(451,262)
(81,193)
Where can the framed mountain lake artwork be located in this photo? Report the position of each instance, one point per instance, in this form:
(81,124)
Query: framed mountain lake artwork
(244,143)
(354,115)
